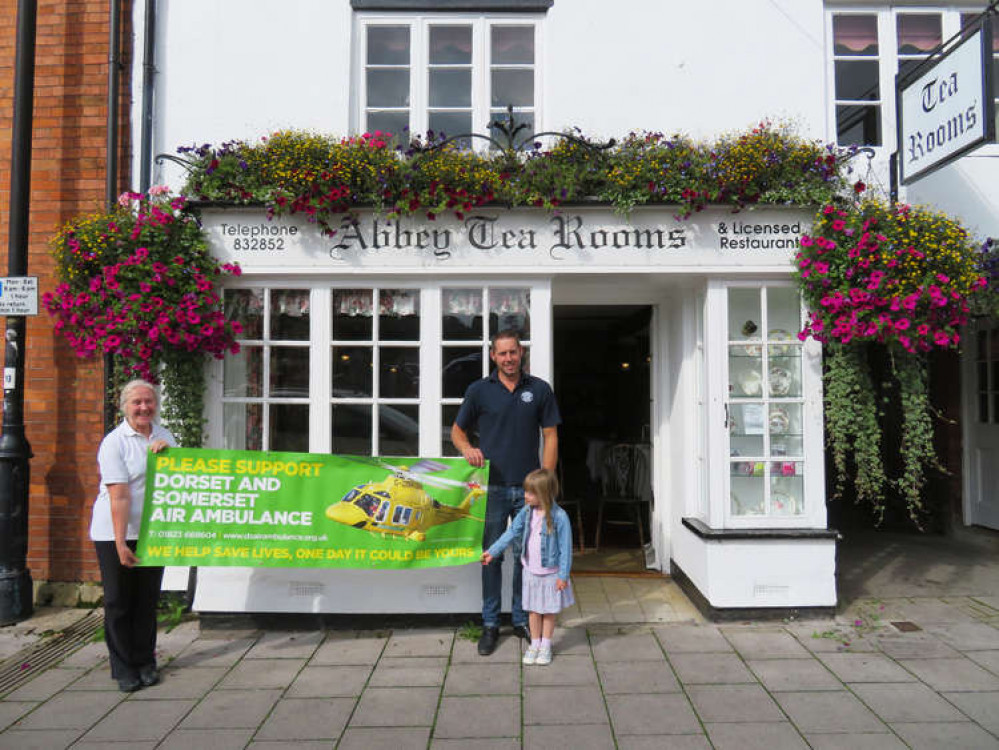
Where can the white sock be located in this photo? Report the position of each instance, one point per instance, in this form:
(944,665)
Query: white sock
(546,644)
(536,643)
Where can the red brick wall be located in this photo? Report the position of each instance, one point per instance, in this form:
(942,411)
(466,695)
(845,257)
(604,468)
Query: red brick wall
(63,395)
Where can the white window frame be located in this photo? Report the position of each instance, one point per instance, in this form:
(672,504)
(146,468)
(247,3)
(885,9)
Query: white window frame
(419,25)
(719,461)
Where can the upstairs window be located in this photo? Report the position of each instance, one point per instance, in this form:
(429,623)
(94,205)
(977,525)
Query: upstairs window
(448,74)
(858,79)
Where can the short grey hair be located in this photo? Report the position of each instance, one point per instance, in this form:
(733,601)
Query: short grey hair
(131,385)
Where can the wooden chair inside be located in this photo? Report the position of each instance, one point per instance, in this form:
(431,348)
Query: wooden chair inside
(624,482)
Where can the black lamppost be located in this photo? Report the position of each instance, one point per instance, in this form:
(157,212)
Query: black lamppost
(15,579)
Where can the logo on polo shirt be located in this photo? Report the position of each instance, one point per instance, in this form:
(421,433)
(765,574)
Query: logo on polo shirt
(527,397)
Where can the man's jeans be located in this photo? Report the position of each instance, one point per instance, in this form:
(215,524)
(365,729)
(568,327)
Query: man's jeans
(504,502)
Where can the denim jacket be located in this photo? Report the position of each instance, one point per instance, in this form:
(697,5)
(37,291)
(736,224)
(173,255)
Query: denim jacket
(556,549)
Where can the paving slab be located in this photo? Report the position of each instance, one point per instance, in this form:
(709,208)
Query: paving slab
(98,678)
(409,671)
(952,674)
(492,743)
(564,705)
(571,642)
(661,741)
(290,745)
(466,651)
(139,720)
(967,636)
(396,707)
(87,657)
(987,659)
(478,717)
(819,712)
(421,642)
(232,709)
(667,713)
(794,674)
(125,745)
(190,683)
(68,710)
(906,702)
(329,681)
(45,685)
(483,679)
(385,738)
(742,703)
(916,646)
(826,637)
(681,639)
(11,711)
(865,668)
(764,644)
(747,735)
(307,719)
(581,737)
(212,652)
(609,647)
(564,670)
(216,739)
(637,677)
(850,741)
(349,647)
(43,739)
(286,645)
(701,669)
(955,736)
(259,674)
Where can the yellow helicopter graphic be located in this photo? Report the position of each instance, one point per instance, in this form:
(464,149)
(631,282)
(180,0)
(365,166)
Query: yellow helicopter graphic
(400,506)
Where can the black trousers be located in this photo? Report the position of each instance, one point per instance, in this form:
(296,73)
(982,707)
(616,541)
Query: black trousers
(130,598)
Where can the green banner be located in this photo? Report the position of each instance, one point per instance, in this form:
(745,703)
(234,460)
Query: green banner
(310,510)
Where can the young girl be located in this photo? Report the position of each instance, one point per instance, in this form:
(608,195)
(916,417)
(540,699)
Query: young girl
(546,540)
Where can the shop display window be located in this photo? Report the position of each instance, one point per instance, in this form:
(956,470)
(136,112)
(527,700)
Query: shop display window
(764,406)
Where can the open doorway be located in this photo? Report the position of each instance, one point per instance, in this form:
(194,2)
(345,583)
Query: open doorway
(602,375)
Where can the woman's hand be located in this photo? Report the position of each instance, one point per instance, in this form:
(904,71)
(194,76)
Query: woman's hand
(125,555)
(560,584)
(486,558)
(157,445)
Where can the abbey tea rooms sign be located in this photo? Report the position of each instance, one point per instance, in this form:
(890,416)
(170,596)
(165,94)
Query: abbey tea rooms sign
(947,109)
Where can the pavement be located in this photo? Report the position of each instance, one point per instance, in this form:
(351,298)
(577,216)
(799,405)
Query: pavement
(635,667)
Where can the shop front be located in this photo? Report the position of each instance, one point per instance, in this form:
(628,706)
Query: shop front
(673,342)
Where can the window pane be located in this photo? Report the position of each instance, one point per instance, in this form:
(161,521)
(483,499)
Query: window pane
(243,373)
(787,489)
(746,495)
(388,88)
(289,372)
(352,372)
(745,372)
(510,308)
(462,314)
(290,315)
(398,430)
(450,45)
(352,429)
(243,426)
(352,315)
(918,33)
(855,35)
(744,321)
(399,315)
(449,412)
(746,428)
(400,373)
(450,88)
(451,124)
(462,366)
(246,306)
(858,126)
(390,123)
(514,87)
(289,427)
(527,118)
(783,311)
(857,80)
(388,45)
(512,45)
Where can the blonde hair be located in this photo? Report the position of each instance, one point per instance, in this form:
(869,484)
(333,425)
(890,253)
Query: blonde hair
(543,484)
(131,385)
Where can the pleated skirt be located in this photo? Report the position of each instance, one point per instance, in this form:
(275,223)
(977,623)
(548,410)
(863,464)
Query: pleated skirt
(541,594)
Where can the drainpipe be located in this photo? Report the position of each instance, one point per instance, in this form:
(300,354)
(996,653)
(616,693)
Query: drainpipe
(148,73)
(16,595)
(111,177)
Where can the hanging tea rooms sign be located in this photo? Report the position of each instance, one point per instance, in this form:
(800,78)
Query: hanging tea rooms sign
(946,104)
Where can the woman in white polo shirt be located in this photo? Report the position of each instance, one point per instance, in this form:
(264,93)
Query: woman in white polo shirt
(130,592)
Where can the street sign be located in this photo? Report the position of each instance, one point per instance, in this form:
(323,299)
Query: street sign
(18,295)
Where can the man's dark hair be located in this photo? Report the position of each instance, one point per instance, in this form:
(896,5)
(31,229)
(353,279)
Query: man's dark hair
(506,333)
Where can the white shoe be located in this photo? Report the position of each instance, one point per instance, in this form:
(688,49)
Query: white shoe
(544,657)
(530,656)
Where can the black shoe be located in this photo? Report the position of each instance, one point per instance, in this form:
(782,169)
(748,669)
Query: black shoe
(129,684)
(149,676)
(488,641)
(522,632)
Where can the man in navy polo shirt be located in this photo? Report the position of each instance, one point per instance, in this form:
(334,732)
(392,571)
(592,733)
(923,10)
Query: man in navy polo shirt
(515,414)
